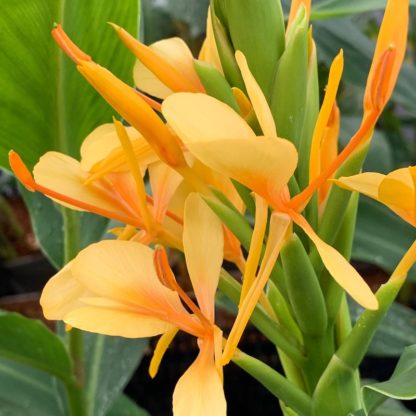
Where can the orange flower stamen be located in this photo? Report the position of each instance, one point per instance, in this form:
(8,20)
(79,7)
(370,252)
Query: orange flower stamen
(22,173)
(168,279)
(69,47)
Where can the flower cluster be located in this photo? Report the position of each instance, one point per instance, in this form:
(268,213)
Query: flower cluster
(229,129)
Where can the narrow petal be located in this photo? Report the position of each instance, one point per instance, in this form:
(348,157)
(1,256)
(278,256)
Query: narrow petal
(256,245)
(263,164)
(199,392)
(116,322)
(334,79)
(365,183)
(204,247)
(164,182)
(257,98)
(339,268)
(408,260)
(203,117)
(209,51)
(279,225)
(161,347)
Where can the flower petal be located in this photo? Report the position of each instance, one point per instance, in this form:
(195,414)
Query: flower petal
(339,268)
(164,182)
(123,271)
(204,247)
(116,322)
(260,105)
(61,294)
(392,36)
(199,392)
(365,183)
(63,174)
(100,143)
(203,117)
(263,164)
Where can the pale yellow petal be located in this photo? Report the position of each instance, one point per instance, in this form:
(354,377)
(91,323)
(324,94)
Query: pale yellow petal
(164,182)
(339,268)
(111,321)
(61,294)
(243,102)
(123,271)
(204,247)
(209,51)
(64,175)
(263,164)
(257,98)
(100,143)
(199,392)
(366,183)
(161,347)
(202,117)
(176,52)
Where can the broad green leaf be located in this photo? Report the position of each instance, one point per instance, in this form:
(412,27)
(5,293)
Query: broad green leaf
(46,104)
(401,385)
(111,362)
(329,9)
(30,342)
(389,408)
(47,224)
(396,332)
(382,238)
(25,391)
(124,406)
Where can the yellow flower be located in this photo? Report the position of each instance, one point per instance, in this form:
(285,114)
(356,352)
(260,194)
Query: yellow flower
(126,289)
(103,182)
(264,164)
(397,190)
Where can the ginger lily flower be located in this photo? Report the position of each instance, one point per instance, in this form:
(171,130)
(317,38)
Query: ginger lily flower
(387,60)
(397,190)
(106,184)
(263,164)
(126,289)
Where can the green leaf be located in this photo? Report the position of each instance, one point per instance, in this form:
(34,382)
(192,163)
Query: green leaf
(382,238)
(46,104)
(25,391)
(29,342)
(328,9)
(110,362)
(401,385)
(396,332)
(124,406)
(47,224)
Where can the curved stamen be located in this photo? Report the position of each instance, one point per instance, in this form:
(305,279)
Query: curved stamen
(168,279)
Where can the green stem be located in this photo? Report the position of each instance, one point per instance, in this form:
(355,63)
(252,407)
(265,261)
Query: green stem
(278,385)
(75,391)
